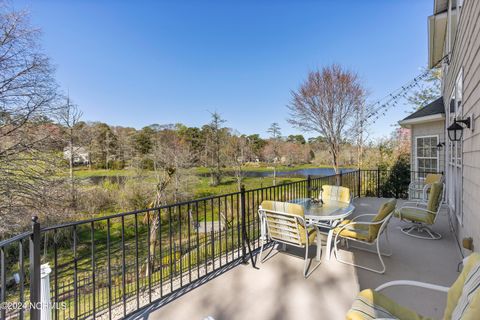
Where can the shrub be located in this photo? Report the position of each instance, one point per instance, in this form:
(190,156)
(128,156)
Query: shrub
(135,195)
(396,184)
(96,199)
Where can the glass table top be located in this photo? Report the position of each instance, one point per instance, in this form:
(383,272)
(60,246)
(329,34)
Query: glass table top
(329,210)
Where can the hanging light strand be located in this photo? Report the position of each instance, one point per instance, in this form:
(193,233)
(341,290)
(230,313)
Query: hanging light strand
(383,105)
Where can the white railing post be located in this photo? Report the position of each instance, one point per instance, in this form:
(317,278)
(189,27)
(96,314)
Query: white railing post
(46,311)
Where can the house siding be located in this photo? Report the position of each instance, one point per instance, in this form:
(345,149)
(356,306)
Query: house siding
(436,128)
(466,55)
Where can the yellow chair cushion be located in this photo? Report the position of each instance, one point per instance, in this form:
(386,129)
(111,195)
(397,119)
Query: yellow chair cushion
(335,193)
(435,196)
(360,232)
(415,215)
(433,178)
(472,311)
(286,207)
(386,209)
(291,208)
(370,304)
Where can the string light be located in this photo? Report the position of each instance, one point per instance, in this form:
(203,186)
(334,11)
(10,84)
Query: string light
(392,99)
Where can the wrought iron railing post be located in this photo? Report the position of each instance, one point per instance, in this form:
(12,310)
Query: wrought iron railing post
(309,186)
(244,223)
(34,251)
(359,187)
(378,182)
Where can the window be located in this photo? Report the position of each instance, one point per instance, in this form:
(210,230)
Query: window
(455,152)
(426,155)
(459,112)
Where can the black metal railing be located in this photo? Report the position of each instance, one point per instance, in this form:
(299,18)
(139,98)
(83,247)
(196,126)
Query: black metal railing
(112,266)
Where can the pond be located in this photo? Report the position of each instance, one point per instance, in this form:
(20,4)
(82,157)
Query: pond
(297,173)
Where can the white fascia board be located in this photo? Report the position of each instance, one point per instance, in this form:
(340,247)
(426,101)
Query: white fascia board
(432,118)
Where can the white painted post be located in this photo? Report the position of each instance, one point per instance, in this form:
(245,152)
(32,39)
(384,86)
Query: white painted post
(46,312)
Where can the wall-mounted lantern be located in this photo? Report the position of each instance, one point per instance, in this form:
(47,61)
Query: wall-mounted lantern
(455,130)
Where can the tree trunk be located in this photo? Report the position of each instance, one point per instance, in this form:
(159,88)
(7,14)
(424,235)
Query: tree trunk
(274,174)
(71,160)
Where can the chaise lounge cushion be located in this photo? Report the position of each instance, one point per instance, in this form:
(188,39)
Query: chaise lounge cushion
(463,301)
(370,304)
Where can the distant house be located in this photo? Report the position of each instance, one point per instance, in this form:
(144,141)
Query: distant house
(427,130)
(80,155)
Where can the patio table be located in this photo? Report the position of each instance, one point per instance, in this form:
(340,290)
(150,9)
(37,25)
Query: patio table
(326,216)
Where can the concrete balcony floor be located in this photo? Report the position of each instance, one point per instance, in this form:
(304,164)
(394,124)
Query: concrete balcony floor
(278,290)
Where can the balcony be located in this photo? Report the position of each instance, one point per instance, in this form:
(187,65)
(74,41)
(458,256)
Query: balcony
(186,261)
(278,290)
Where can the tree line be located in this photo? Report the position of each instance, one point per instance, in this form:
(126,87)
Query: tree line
(43,136)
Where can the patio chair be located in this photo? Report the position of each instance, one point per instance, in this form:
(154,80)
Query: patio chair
(284,223)
(335,193)
(365,232)
(422,186)
(463,298)
(422,214)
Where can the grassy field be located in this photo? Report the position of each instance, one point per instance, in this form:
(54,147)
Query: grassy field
(202,186)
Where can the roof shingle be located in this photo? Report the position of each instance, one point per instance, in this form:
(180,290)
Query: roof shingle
(435,107)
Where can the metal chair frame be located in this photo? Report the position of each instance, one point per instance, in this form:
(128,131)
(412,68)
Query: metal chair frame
(376,242)
(415,229)
(283,228)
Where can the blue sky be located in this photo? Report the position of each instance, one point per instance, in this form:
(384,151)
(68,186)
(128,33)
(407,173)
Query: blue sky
(134,63)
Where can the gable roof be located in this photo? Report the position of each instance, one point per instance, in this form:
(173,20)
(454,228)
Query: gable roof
(431,112)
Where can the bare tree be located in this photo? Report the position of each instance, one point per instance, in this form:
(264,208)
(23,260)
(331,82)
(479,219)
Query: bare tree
(327,103)
(69,117)
(171,157)
(361,131)
(239,151)
(214,147)
(275,136)
(27,136)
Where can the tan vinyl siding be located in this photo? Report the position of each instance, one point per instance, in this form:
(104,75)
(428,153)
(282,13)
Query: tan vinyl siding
(466,55)
(436,128)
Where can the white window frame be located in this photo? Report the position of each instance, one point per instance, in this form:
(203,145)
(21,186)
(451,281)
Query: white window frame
(437,154)
(455,153)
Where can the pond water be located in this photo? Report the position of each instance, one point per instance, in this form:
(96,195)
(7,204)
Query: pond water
(297,173)
(300,173)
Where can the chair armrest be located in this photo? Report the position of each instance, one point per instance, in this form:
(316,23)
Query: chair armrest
(416,184)
(345,226)
(363,215)
(415,208)
(412,283)
(417,203)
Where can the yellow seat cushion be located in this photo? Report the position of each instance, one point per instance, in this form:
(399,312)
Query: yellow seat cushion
(386,209)
(370,304)
(433,178)
(294,209)
(336,193)
(472,311)
(360,232)
(435,196)
(415,215)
